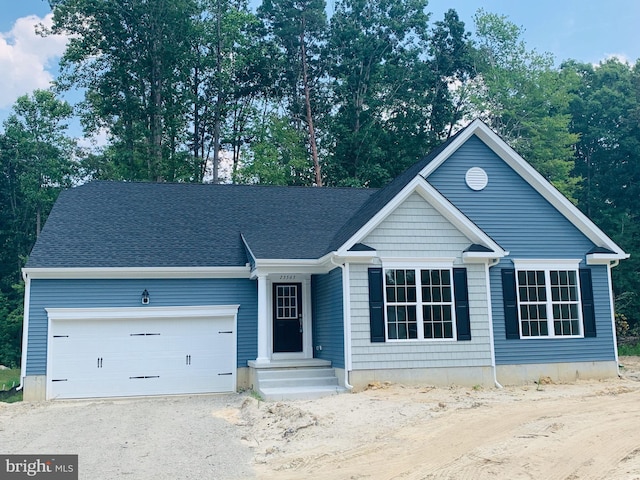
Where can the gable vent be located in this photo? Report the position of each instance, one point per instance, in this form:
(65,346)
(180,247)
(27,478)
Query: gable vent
(476,178)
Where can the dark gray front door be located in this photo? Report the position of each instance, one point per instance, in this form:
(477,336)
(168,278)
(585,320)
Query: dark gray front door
(287,317)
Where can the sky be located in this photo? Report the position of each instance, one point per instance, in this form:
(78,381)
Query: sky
(585,30)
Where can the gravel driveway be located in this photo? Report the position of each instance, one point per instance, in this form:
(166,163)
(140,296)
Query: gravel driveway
(184,437)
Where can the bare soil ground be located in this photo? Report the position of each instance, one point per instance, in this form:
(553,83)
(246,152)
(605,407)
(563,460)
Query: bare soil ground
(586,430)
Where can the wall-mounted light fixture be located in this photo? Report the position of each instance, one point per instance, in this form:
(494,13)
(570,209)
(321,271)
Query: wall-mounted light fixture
(145,297)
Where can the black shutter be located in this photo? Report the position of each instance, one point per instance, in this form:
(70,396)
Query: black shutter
(461,291)
(588,311)
(376,305)
(510,303)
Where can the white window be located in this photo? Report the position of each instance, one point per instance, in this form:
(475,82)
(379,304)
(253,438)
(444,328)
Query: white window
(419,303)
(548,300)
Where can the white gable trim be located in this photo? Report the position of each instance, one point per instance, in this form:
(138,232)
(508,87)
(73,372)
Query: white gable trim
(437,201)
(531,176)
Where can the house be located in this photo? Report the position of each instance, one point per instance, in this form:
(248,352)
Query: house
(469,268)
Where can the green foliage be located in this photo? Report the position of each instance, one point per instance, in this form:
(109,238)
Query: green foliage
(11,310)
(525,100)
(392,102)
(36,163)
(9,381)
(279,156)
(629,350)
(605,114)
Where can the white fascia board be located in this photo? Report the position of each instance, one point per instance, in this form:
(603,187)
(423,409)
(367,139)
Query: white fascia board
(480,257)
(605,258)
(541,263)
(114,313)
(437,201)
(267,266)
(356,257)
(531,176)
(137,272)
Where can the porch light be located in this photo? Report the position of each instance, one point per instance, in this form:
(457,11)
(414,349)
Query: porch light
(145,297)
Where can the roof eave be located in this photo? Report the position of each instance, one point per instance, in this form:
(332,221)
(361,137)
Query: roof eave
(136,272)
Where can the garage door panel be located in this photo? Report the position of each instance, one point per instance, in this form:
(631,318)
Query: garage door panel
(127,357)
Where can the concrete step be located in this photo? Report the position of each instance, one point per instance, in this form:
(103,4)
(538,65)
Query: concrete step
(295,373)
(299,393)
(298,382)
(304,382)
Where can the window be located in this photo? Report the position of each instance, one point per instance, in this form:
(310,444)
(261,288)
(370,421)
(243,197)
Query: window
(548,302)
(419,304)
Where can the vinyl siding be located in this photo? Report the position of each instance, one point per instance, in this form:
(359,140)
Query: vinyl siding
(126,293)
(509,210)
(417,230)
(328,326)
(525,224)
(555,350)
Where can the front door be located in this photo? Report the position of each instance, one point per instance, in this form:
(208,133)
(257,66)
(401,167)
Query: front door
(287,317)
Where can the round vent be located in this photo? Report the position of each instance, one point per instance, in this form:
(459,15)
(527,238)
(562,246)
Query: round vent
(476,178)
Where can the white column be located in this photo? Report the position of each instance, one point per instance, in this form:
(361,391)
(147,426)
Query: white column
(263,321)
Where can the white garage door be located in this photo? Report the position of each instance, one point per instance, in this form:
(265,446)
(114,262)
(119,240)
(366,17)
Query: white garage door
(145,351)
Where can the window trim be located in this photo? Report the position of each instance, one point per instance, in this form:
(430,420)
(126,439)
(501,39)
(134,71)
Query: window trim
(436,264)
(547,266)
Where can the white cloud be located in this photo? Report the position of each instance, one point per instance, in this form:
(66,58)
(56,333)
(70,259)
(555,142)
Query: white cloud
(621,57)
(25,58)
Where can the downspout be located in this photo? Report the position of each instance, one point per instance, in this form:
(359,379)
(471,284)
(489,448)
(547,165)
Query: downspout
(611,265)
(25,329)
(491,263)
(346,315)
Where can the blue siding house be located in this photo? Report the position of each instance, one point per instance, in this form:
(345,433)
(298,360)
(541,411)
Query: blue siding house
(469,268)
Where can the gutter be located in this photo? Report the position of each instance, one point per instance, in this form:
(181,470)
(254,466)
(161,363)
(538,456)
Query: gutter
(346,314)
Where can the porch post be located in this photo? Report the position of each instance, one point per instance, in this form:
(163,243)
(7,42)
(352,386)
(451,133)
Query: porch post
(263,321)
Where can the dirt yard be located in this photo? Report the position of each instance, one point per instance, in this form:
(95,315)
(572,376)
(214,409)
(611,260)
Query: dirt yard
(587,430)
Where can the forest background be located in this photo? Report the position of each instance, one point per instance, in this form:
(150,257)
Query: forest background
(214,91)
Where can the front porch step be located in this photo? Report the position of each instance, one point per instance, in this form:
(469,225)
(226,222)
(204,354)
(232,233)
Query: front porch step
(291,383)
(299,393)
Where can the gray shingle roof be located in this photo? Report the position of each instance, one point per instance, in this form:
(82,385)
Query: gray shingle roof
(119,224)
(123,224)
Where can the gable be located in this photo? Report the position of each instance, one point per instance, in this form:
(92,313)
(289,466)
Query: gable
(416,229)
(508,209)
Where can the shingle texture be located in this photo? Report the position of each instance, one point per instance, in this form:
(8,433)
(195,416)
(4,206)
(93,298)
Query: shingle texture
(120,224)
(124,224)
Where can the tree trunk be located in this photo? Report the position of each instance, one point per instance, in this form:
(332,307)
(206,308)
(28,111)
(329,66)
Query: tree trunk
(155,161)
(307,100)
(219,100)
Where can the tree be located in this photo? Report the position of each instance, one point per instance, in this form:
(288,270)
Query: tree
(392,86)
(299,28)
(279,155)
(36,163)
(525,100)
(130,57)
(605,113)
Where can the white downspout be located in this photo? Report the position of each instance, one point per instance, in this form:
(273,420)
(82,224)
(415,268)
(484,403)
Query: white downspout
(490,264)
(25,329)
(346,314)
(613,314)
